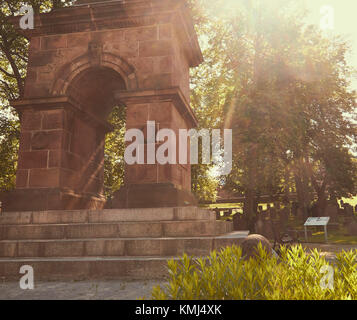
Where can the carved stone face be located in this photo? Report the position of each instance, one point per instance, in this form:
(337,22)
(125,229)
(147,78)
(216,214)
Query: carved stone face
(93,45)
(94,49)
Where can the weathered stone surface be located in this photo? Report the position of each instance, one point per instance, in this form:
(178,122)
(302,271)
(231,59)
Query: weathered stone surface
(83,244)
(250,243)
(112,230)
(352,228)
(264,228)
(76,74)
(107,216)
(149,195)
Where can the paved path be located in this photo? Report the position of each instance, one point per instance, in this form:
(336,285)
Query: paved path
(79,290)
(111,289)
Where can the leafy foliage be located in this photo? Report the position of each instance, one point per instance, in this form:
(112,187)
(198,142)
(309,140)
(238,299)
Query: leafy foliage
(114,152)
(283,87)
(226,275)
(9,128)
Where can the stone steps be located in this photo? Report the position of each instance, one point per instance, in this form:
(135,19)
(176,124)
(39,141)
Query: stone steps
(117,243)
(113,230)
(111,267)
(86,268)
(106,215)
(112,247)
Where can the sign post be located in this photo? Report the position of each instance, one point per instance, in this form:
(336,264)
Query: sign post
(316,221)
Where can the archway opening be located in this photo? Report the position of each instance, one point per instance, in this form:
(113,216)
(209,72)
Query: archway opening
(101,149)
(95,89)
(114,164)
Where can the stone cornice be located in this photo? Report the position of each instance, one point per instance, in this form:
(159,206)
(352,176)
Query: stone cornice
(121,14)
(60,102)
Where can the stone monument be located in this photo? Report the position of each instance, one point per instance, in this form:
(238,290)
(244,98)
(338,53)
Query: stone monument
(83,61)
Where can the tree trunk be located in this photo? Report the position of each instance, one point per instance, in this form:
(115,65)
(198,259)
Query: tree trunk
(321,197)
(248,209)
(302,195)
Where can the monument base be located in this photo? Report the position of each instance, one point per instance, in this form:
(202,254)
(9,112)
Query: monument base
(108,244)
(43,199)
(155,195)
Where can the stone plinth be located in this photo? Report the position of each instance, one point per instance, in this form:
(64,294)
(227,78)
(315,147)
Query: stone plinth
(116,243)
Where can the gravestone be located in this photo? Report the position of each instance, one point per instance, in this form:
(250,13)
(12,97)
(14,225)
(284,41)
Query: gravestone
(264,228)
(272,213)
(294,207)
(332,212)
(348,209)
(83,61)
(284,217)
(240,222)
(250,243)
(352,228)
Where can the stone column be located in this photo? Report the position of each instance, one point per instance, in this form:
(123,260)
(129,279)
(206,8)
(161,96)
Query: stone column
(155,184)
(60,157)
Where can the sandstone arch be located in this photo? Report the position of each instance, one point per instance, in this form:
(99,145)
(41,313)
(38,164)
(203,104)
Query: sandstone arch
(72,69)
(145,48)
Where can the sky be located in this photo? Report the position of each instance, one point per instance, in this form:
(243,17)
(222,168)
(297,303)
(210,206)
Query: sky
(345,22)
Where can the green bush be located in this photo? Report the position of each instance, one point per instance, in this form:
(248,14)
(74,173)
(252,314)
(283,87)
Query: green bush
(295,275)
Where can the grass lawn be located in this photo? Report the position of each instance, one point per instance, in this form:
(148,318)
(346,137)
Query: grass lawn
(334,237)
(351,201)
(222,205)
(231,205)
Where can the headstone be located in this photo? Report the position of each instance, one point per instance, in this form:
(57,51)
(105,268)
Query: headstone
(332,212)
(264,228)
(294,209)
(348,209)
(250,243)
(284,217)
(273,213)
(239,222)
(352,228)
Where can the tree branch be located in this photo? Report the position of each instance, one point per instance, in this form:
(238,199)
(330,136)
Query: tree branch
(14,67)
(7,73)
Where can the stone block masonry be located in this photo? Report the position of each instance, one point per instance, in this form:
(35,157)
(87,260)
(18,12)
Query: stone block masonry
(83,61)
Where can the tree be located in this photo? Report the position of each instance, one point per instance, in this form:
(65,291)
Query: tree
(114,164)
(285,93)
(208,91)
(282,86)
(13,62)
(326,123)
(300,85)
